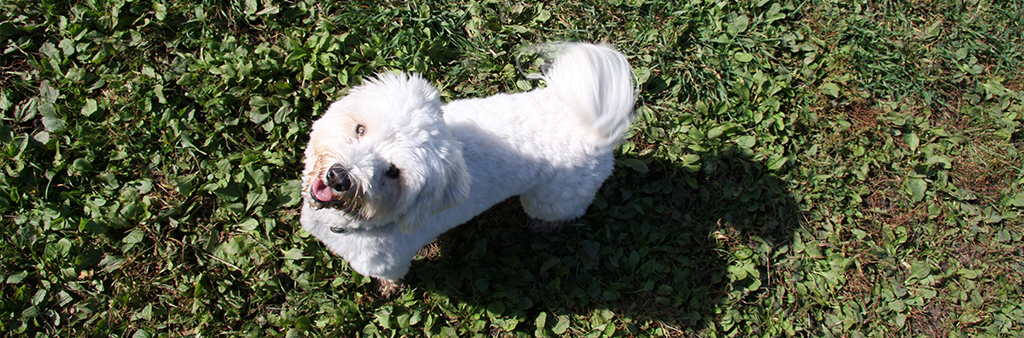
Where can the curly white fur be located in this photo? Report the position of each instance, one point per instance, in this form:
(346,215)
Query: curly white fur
(388,168)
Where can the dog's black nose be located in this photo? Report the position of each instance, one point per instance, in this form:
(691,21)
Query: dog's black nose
(337,178)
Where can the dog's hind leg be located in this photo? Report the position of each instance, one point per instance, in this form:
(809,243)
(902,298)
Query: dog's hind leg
(553,206)
(550,203)
(550,215)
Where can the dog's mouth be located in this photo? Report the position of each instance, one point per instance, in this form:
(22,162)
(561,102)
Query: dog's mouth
(320,192)
(322,196)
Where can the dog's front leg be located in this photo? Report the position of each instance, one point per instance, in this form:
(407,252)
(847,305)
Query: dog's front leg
(386,288)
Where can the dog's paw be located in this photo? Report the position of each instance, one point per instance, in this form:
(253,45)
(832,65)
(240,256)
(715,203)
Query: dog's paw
(387,289)
(547,227)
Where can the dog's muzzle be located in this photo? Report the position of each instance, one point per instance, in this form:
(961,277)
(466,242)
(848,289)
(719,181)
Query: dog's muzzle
(337,180)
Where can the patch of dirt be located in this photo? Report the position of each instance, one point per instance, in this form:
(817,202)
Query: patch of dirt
(863,116)
(430,251)
(886,204)
(933,320)
(967,253)
(981,167)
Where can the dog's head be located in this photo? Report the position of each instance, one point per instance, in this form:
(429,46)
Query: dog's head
(383,154)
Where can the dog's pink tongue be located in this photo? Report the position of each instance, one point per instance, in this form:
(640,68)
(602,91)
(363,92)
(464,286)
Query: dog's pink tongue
(320,191)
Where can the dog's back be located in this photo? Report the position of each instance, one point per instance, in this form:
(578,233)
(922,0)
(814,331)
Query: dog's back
(551,146)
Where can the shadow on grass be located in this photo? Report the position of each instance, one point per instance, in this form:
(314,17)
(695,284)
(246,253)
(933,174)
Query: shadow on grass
(653,250)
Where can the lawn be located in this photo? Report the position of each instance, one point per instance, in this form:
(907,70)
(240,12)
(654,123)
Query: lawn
(796,168)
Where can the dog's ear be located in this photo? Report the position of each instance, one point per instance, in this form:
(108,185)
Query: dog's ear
(448,187)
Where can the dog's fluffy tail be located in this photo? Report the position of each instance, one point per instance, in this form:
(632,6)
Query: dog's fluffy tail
(597,82)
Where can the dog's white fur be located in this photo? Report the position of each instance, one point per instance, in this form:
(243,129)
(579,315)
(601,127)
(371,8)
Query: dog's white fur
(417,168)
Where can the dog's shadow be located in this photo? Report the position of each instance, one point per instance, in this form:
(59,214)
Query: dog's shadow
(653,250)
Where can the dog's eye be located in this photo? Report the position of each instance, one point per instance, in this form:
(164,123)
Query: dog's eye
(392,172)
(360,130)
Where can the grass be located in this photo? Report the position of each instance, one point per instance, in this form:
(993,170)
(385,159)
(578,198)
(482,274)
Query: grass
(811,168)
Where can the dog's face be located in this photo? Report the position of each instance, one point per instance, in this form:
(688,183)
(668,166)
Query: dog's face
(383,154)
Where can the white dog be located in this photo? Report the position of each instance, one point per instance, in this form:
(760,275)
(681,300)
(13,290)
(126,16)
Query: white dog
(389,167)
